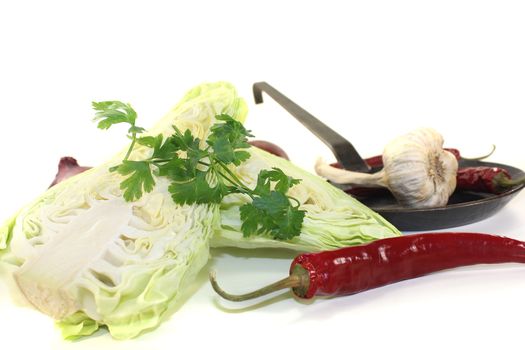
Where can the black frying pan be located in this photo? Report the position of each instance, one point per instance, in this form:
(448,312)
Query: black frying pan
(464,207)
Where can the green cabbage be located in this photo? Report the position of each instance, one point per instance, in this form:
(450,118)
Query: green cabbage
(88,258)
(333,218)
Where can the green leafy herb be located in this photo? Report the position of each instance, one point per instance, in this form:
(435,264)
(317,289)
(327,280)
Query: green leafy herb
(271,210)
(109,113)
(228,139)
(140,179)
(200,172)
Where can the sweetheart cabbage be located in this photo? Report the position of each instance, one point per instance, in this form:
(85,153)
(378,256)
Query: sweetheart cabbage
(333,218)
(87,257)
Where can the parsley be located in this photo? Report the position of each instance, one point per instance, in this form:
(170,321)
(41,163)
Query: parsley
(139,180)
(199,172)
(115,112)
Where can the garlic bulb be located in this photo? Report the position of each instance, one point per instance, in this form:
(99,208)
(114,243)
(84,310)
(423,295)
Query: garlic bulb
(416,169)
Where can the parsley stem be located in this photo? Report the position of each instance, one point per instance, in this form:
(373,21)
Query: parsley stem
(231,180)
(295,200)
(237,180)
(133,140)
(238,188)
(156,161)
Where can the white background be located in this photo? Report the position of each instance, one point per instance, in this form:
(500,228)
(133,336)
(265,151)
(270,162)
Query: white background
(371,69)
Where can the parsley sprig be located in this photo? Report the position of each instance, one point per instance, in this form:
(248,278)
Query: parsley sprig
(204,175)
(115,112)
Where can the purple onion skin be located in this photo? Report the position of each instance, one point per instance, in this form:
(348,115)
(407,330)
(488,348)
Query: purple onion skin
(67,167)
(270,148)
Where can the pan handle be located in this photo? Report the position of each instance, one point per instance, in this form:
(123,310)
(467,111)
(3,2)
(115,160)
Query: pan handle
(343,150)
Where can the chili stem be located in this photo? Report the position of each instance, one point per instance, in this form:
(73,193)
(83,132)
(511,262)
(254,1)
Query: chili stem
(292,281)
(505,181)
(484,156)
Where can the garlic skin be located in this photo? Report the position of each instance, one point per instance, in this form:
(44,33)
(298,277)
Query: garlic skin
(416,169)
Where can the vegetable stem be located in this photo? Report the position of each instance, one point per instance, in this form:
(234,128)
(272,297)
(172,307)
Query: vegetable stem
(483,156)
(157,161)
(292,281)
(342,176)
(295,200)
(504,181)
(238,189)
(133,140)
(234,179)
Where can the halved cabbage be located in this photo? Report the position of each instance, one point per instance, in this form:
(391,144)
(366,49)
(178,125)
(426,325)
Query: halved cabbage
(88,257)
(333,218)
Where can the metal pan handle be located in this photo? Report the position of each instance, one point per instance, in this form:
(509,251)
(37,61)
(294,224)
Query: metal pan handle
(344,151)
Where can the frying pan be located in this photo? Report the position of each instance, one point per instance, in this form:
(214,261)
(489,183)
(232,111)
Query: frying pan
(463,207)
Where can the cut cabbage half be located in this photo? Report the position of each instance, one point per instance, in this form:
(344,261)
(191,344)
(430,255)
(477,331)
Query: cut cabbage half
(333,218)
(88,258)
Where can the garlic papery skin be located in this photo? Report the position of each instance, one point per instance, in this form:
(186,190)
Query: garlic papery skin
(416,169)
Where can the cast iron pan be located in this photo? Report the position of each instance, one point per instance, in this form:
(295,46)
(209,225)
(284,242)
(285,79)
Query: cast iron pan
(464,207)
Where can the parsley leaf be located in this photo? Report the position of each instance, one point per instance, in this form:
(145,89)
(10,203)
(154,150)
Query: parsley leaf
(110,113)
(273,214)
(290,222)
(197,190)
(162,149)
(139,180)
(176,169)
(154,142)
(251,219)
(227,140)
(265,178)
(114,112)
(189,144)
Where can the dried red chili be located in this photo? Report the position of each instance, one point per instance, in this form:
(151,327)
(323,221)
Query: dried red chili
(355,269)
(486,179)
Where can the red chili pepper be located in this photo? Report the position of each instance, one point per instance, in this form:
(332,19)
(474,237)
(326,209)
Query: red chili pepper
(485,179)
(356,269)
(373,162)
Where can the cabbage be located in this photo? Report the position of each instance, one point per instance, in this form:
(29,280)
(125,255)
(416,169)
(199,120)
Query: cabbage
(88,258)
(333,218)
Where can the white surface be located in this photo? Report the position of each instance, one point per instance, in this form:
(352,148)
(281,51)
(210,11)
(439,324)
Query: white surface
(372,70)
